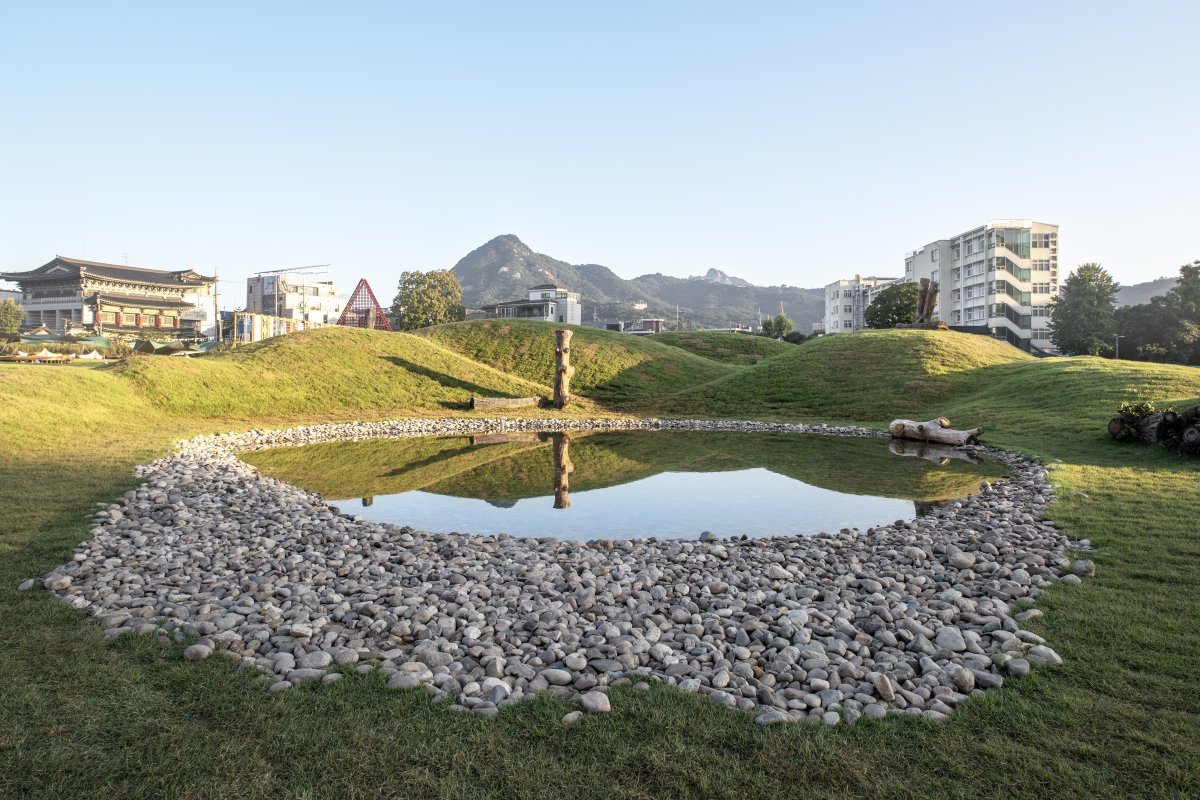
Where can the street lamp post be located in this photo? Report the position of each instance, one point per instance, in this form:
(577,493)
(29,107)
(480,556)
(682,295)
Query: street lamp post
(1117,346)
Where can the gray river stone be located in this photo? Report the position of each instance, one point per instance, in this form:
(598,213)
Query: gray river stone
(823,627)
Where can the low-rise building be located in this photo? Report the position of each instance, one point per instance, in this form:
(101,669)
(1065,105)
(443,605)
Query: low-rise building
(313,302)
(548,302)
(846,302)
(70,294)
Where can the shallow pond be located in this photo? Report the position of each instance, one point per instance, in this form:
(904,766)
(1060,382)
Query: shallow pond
(631,484)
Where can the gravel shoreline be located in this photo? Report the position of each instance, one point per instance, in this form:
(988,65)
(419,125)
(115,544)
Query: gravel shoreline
(907,618)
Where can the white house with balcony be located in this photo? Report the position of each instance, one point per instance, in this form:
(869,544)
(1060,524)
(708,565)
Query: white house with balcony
(548,303)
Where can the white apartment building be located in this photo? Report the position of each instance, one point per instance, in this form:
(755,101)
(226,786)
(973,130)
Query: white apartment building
(314,302)
(1000,276)
(846,300)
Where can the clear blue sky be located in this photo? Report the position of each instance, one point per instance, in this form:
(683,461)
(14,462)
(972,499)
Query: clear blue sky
(784,143)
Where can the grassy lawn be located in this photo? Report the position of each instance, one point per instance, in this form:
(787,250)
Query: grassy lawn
(82,717)
(733,348)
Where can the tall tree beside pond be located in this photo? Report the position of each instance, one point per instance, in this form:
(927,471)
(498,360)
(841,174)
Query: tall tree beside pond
(1083,317)
(427,298)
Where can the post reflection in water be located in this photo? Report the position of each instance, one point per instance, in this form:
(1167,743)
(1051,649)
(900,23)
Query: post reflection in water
(562,470)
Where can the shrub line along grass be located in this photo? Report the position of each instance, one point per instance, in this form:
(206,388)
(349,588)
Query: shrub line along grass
(81,717)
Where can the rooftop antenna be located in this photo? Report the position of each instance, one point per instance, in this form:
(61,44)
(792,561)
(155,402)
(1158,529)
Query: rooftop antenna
(126,258)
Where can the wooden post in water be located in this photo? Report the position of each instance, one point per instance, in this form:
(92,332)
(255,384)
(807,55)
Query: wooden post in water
(562,469)
(563,370)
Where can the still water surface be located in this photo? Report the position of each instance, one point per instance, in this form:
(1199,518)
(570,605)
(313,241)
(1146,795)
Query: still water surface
(630,484)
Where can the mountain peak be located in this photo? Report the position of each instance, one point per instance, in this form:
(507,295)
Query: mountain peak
(508,242)
(505,267)
(718,276)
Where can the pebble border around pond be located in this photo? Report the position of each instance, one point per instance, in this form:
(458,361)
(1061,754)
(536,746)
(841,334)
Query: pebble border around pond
(907,618)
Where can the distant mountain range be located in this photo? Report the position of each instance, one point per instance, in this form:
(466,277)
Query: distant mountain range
(1141,293)
(505,267)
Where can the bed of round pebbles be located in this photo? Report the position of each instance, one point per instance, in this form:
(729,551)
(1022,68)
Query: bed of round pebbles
(907,618)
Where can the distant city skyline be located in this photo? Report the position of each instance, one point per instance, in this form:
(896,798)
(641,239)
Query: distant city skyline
(780,144)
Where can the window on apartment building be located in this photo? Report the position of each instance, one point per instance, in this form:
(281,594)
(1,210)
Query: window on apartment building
(1041,311)
(957,295)
(846,293)
(847,324)
(957,273)
(847,309)
(957,317)
(1041,288)
(933,276)
(933,255)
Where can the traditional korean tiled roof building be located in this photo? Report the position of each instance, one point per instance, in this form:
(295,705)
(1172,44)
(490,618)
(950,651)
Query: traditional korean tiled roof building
(71,294)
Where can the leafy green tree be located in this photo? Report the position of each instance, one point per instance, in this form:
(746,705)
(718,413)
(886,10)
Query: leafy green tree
(1083,317)
(1185,297)
(427,298)
(1145,329)
(795,337)
(895,305)
(1168,327)
(777,327)
(11,316)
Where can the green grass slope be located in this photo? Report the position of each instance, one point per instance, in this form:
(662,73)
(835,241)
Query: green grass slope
(330,370)
(728,348)
(868,375)
(874,377)
(84,717)
(612,367)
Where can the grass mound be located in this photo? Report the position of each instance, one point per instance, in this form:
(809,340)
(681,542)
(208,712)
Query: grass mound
(81,716)
(728,348)
(614,367)
(330,370)
(874,377)
(867,375)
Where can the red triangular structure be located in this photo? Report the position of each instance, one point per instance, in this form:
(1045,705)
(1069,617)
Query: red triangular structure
(363,311)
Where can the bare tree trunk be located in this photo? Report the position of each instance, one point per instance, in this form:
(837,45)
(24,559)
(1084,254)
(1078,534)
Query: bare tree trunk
(922,293)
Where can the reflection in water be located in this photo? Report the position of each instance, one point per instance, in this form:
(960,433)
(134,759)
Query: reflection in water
(939,454)
(606,484)
(924,508)
(562,470)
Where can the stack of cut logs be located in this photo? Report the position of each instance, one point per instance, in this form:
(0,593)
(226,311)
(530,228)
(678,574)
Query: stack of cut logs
(1177,430)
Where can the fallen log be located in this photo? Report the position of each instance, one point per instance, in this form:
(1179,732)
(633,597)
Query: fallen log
(505,402)
(935,430)
(939,454)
